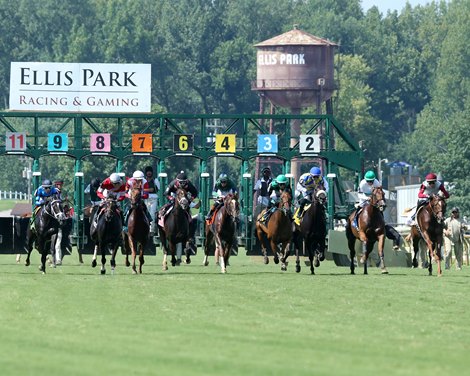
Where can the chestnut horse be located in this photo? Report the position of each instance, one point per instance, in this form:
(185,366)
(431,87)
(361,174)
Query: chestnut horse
(371,229)
(311,233)
(138,228)
(105,232)
(278,230)
(49,218)
(175,230)
(221,233)
(429,227)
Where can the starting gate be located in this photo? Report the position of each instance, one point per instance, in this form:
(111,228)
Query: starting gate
(248,138)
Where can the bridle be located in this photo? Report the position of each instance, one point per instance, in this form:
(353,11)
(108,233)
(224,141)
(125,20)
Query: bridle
(232,207)
(438,206)
(54,209)
(377,199)
(181,199)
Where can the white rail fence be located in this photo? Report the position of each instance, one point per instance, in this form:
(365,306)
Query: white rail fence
(10,195)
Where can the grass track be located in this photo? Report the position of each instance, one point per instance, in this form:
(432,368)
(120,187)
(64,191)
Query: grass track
(254,320)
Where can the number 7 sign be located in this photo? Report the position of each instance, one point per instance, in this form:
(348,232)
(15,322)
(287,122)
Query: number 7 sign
(142,143)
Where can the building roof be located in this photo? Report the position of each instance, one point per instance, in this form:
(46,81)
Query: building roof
(296,37)
(21,210)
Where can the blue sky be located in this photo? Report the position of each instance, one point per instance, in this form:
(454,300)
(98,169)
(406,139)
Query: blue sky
(385,5)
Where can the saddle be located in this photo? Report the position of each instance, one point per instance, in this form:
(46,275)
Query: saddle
(297,218)
(212,218)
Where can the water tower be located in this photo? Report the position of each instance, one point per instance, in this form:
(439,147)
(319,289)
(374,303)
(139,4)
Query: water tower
(295,70)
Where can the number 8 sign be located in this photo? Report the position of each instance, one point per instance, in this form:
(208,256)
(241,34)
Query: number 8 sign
(100,142)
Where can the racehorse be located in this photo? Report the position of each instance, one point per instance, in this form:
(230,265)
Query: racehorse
(105,231)
(220,234)
(371,229)
(138,228)
(49,218)
(278,230)
(311,233)
(174,231)
(429,227)
(60,241)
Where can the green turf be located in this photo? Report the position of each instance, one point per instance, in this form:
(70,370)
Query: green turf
(255,320)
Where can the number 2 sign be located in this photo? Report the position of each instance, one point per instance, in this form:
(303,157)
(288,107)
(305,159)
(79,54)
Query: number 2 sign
(309,143)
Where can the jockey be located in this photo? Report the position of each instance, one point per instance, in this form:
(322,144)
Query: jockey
(307,184)
(137,181)
(58,185)
(45,191)
(223,186)
(182,182)
(365,191)
(428,188)
(153,188)
(91,190)
(113,185)
(275,189)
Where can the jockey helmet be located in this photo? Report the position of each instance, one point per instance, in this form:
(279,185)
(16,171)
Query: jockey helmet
(369,176)
(274,184)
(95,183)
(46,183)
(431,177)
(59,182)
(115,178)
(266,170)
(281,179)
(223,177)
(315,171)
(182,178)
(306,180)
(455,210)
(138,175)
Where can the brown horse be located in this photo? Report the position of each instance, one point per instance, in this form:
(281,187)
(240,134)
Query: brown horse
(138,228)
(429,227)
(278,230)
(220,234)
(174,233)
(310,235)
(371,229)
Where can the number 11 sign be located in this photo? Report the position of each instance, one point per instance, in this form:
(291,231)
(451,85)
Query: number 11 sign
(15,141)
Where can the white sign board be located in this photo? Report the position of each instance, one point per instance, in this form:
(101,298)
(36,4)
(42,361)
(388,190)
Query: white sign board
(76,87)
(309,144)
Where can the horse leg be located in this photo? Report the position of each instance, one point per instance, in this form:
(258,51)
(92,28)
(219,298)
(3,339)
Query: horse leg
(179,253)
(29,245)
(381,242)
(103,259)
(438,258)
(275,250)
(43,252)
(95,252)
(365,255)
(58,248)
(113,259)
(205,262)
(351,245)
(285,253)
(297,241)
(415,241)
(141,257)
(133,253)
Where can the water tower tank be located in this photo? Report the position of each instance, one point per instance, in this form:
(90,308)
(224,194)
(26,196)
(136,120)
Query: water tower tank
(295,69)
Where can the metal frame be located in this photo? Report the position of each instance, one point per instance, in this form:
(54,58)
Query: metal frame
(162,126)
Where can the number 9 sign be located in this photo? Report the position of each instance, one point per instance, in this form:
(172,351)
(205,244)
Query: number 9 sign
(57,142)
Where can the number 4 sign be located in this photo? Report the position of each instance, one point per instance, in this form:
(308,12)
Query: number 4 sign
(15,141)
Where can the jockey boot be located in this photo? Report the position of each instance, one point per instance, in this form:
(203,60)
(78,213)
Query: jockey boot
(209,215)
(300,212)
(147,214)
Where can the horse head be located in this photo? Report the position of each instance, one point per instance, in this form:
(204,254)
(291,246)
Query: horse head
(55,209)
(110,207)
(135,197)
(377,199)
(285,201)
(181,199)
(438,207)
(319,196)
(232,206)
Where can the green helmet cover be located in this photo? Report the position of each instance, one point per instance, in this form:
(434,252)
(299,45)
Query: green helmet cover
(369,175)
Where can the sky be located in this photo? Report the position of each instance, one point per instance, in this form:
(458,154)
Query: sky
(385,5)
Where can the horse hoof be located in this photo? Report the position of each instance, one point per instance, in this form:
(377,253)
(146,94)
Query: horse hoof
(322,256)
(283,268)
(26,263)
(316,263)
(188,261)
(205,263)
(93,264)
(266,260)
(178,262)
(80,259)
(128,263)
(134,271)
(276,260)
(297,268)
(165,268)
(223,271)
(103,271)
(384,271)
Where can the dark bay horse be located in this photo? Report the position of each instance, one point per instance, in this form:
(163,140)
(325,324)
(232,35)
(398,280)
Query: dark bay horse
(429,227)
(49,218)
(138,228)
(221,233)
(371,230)
(174,233)
(278,230)
(105,231)
(310,235)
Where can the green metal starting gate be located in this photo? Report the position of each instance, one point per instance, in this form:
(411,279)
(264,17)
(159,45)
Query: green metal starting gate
(290,138)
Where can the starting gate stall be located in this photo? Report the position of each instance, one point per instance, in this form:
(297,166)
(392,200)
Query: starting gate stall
(164,137)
